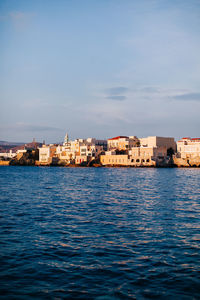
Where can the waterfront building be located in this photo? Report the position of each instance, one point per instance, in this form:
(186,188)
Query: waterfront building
(82,158)
(97,142)
(188,148)
(47,153)
(8,155)
(75,145)
(80,150)
(91,150)
(137,156)
(113,159)
(157,141)
(147,156)
(88,152)
(65,155)
(122,142)
(150,151)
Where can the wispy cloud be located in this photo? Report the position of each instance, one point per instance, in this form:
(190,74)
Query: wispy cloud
(116,93)
(149,93)
(117,98)
(149,89)
(188,97)
(116,90)
(163,94)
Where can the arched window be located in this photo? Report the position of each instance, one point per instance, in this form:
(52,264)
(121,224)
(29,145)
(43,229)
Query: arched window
(137,160)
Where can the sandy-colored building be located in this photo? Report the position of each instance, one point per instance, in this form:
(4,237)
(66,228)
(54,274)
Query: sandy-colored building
(122,160)
(91,150)
(65,154)
(147,156)
(137,156)
(97,142)
(122,142)
(188,148)
(47,153)
(157,141)
(75,145)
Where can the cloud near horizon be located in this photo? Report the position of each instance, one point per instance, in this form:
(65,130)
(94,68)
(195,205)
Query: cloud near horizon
(30,127)
(117,98)
(116,93)
(118,90)
(188,97)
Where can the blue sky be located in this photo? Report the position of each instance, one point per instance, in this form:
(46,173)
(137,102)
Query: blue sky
(99,69)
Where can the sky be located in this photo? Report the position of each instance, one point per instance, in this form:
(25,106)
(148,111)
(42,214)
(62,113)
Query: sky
(99,68)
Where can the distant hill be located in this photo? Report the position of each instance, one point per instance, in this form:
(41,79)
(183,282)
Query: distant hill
(5,143)
(7,146)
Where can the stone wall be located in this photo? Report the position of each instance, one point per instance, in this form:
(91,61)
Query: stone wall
(4,162)
(187,162)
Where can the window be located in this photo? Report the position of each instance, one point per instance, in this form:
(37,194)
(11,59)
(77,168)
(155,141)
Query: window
(137,160)
(132,160)
(147,160)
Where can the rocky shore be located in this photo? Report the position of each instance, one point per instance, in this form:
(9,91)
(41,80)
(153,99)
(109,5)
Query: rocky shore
(31,158)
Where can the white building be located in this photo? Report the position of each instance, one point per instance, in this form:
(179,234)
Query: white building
(157,141)
(8,155)
(188,148)
(47,153)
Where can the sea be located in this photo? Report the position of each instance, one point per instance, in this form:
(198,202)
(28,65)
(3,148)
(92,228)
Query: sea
(99,233)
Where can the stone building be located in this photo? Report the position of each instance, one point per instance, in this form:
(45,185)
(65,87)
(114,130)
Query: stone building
(47,154)
(113,159)
(188,148)
(157,141)
(122,142)
(188,152)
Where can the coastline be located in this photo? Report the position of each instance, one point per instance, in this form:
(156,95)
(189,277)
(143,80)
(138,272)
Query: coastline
(7,163)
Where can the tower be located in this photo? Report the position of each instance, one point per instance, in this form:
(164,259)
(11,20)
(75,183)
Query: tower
(66,139)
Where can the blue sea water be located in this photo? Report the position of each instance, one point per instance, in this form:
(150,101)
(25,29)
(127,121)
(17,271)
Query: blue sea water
(99,233)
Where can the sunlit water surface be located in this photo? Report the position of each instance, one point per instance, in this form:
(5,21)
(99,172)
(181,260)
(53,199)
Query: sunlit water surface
(86,233)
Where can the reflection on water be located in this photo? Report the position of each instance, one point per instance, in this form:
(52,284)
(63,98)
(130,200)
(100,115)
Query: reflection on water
(99,233)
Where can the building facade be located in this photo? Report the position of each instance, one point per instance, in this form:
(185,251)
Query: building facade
(122,143)
(157,141)
(188,148)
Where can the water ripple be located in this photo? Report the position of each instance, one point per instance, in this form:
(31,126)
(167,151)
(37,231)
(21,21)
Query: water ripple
(99,233)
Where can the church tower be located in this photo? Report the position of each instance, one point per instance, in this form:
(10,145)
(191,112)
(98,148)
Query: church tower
(66,139)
